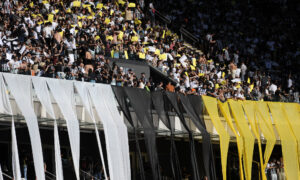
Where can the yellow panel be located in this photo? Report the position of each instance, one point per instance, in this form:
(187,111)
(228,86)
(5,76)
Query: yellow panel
(243,127)
(131,5)
(264,121)
(226,113)
(212,109)
(288,141)
(76,3)
(293,116)
(249,107)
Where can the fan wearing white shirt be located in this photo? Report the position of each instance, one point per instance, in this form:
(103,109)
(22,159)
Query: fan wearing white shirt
(48,33)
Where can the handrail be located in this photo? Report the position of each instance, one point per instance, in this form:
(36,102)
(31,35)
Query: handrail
(47,172)
(162,17)
(49,177)
(6,175)
(189,35)
(93,177)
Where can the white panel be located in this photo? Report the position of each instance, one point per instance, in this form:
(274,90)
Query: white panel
(42,92)
(178,124)
(6,108)
(162,126)
(15,153)
(1,176)
(113,145)
(110,101)
(20,87)
(63,95)
(86,101)
(58,163)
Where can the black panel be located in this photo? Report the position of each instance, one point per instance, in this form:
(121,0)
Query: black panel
(122,100)
(140,100)
(173,98)
(160,106)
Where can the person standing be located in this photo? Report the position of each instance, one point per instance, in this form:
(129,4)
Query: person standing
(281,174)
(25,168)
(272,166)
(243,71)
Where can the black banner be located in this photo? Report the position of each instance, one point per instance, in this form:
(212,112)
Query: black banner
(159,104)
(195,111)
(140,100)
(124,105)
(173,98)
(143,103)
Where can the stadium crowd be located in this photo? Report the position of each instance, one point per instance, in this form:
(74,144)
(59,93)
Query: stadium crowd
(74,40)
(245,40)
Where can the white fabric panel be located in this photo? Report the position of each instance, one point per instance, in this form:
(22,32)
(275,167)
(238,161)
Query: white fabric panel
(20,87)
(4,100)
(58,163)
(1,175)
(109,99)
(82,90)
(5,107)
(43,94)
(62,95)
(69,87)
(113,145)
(15,153)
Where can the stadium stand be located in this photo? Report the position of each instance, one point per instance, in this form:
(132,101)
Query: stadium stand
(229,50)
(244,40)
(74,40)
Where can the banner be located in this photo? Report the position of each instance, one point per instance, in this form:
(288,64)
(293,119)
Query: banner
(199,108)
(63,95)
(20,87)
(121,98)
(173,100)
(113,142)
(249,107)
(140,100)
(288,141)
(207,154)
(1,175)
(86,101)
(292,114)
(212,109)
(226,113)
(42,92)
(120,126)
(263,119)
(15,153)
(159,103)
(5,108)
(246,134)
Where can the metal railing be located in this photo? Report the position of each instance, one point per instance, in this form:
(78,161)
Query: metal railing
(49,175)
(6,175)
(186,34)
(162,17)
(88,175)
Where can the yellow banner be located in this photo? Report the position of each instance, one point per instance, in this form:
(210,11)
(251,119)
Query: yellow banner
(226,113)
(288,141)
(263,120)
(249,107)
(293,117)
(243,127)
(212,109)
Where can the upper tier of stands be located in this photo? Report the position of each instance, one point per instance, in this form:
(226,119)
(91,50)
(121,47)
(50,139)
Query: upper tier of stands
(73,40)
